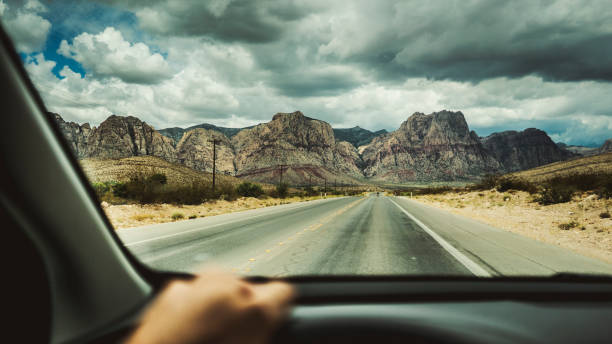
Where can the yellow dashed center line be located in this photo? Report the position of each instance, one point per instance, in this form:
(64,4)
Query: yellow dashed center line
(312,227)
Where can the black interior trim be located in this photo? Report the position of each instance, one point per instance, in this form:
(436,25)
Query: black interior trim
(155,278)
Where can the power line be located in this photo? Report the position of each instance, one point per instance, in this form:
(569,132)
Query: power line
(282,167)
(214,142)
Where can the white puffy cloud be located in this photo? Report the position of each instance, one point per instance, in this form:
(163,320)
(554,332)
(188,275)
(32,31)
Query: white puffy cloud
(25,26)
(108,54)
(184,99)
(335,65)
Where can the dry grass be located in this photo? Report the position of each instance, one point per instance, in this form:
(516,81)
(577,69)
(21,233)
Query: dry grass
(587,165)
(120,170)
(133,215)
(575,225)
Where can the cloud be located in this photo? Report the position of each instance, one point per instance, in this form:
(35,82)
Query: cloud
(326,80)
(476,40)
(182,99)
(505,65)
(108,54)
(25,26)
(226,20)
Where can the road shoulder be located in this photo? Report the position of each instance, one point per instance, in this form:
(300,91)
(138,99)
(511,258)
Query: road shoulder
(499,251)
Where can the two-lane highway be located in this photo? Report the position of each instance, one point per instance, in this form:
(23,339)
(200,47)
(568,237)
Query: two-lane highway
(349,236)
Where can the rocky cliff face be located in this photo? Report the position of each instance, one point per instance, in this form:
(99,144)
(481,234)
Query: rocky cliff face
(434,147)
(520,150)
(76,135)
(606,147)
(121,137)
(427,148)
(176,133)
(296,140)
(195,150)
(356,136)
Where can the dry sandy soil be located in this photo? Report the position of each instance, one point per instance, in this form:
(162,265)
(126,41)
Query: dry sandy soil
(133,215)
(515,212)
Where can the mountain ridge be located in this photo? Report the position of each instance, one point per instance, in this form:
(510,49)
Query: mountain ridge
(425,148)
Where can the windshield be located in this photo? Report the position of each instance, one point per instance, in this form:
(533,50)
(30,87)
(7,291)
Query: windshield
(439,138)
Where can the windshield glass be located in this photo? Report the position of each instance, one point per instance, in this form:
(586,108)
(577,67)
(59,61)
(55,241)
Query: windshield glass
(438,138)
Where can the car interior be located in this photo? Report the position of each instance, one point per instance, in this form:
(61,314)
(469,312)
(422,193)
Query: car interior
(70,280)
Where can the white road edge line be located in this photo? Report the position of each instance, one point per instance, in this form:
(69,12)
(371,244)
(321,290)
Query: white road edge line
(217,225)
(463,259)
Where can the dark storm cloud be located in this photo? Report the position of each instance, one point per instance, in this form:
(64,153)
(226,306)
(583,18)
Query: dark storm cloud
(395,40)
(238,20)
(315,83)
(559,41)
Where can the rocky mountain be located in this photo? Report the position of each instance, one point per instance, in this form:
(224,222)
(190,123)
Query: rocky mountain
(122,137)
(587,151)
(116,137)
(76,134)
(606,147)
(176,133)
(521,150)
(434,147)
(295,140)
(357,136)
(578,150)
(195,150)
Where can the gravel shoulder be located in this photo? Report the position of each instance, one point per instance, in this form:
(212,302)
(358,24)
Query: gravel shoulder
(589,235)
(134,215)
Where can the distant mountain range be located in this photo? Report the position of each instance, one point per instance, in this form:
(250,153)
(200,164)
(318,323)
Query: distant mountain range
(425,148)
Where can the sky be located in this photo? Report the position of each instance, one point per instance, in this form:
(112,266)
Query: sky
(506,65)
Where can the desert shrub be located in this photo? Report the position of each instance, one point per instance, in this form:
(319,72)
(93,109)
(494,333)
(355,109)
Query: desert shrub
(226,191)
(554,194)
(604,215)
(508,183)
(158,178)
(309,191)
(191,217)
(101,188)
(177,216)
(605,189)
(120,190)
(247,189)
(196,193)
(282,189)
(600,183)
(487,182)
(433,190)
(568,226)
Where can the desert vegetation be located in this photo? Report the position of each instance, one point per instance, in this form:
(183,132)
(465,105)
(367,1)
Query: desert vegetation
(144,190)
(567,205)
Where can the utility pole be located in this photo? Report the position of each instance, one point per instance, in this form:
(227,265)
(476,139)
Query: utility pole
(282,167)
(214,142)
(325,181)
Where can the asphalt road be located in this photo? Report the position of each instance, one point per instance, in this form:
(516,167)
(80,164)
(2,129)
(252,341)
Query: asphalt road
(347,236)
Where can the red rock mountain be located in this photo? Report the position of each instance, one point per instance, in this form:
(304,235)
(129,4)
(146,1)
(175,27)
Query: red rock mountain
(426,148)
(434,147)
(306,145)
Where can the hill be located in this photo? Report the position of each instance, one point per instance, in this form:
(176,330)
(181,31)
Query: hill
(586,165)
(176,133)
(120,170)
(356,136)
